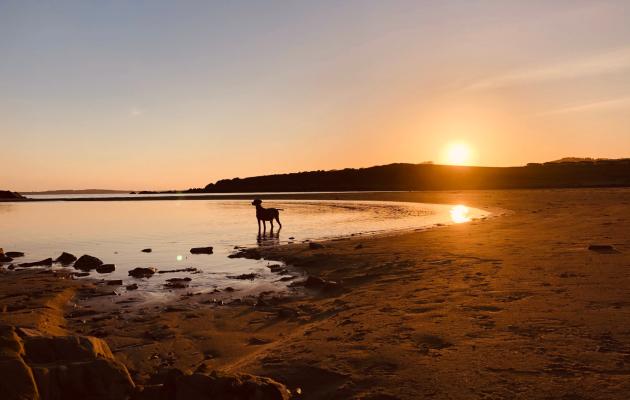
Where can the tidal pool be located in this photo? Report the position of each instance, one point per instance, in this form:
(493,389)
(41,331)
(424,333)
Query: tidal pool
(117,231)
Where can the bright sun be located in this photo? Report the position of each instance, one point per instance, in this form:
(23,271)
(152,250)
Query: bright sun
(458,154)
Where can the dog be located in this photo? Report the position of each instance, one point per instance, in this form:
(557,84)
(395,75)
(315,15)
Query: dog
(266,214)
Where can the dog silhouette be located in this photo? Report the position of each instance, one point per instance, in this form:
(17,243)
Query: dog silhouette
(266,214)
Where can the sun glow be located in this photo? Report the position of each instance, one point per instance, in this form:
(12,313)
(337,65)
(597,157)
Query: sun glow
(460,213)
(458,154)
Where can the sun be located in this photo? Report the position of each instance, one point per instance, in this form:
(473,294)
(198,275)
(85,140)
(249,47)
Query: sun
(458,154)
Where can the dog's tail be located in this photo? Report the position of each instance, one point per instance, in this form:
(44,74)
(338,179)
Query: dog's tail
(280,209)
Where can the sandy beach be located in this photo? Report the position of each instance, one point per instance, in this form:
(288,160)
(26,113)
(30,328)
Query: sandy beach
(512,307)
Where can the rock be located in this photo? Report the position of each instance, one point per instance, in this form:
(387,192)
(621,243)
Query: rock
(81,274)
(142,272)
(602,248)
(133,286)
(5,258)
(16,378)
(169,271)
(115,282)
(106,268)
(177,283)
(86,263)
(41,263)
(14,254)
(219,385)
(66,258)
(315,246)
(201,250)
(147,250)
(250,277)
(313,282)
(276,268)
(36,366)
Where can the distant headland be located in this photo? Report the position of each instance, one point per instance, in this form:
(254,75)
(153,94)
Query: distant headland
(570,172)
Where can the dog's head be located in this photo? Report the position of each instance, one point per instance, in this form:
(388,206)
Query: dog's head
(256,202)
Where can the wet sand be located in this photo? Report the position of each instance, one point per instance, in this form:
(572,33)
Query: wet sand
(513,307)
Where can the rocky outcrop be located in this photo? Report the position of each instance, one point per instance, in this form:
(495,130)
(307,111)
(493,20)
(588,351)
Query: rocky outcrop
(35,366)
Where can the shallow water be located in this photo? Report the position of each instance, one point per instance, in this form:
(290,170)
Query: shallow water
(116,232)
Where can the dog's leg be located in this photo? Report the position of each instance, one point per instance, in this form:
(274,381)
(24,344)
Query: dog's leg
(278,220)
(264,226)
(271,222)
(259,226)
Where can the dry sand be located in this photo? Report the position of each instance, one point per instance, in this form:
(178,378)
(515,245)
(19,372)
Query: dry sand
(513,307)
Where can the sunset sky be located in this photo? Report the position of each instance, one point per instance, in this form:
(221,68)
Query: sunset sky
(162,95)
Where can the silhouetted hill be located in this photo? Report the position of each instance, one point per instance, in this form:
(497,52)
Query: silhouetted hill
(79,191)
(8,195)
(583,173)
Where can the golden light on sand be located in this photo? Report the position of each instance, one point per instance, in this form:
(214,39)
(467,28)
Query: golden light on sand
(459,214)
(458,153)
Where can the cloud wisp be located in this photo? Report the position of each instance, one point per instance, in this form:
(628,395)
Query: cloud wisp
(617,103)
(599,64)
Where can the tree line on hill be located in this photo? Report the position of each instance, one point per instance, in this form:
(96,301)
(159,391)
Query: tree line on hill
(406,177)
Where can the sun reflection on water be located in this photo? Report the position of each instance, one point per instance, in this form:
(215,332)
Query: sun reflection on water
(460,213)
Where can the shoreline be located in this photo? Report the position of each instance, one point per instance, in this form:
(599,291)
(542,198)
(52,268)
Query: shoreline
(514,307)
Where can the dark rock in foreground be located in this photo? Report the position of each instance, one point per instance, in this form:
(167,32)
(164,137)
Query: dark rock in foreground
(41,263)
(142,272)
(201,250)
(87,262)
(133,286)
(66,258)
(14,254)
(106,268)
(37,366)
(147,250)
(5,258)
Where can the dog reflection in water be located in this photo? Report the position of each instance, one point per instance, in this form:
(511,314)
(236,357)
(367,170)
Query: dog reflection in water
(266,214)
(268,239)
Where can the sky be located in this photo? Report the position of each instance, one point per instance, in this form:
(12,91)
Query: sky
(176,94)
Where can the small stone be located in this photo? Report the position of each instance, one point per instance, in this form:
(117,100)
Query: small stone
(14,254)
(250,277)
(201,250)
(147,250)
(602,248)
(106,268)
(133,286)
(115,282)
(66,258)
(142,272)
(87,262)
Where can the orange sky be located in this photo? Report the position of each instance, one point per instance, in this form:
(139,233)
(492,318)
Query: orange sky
(162,95)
